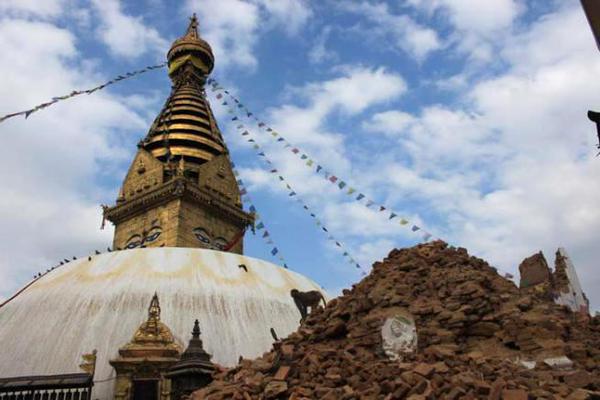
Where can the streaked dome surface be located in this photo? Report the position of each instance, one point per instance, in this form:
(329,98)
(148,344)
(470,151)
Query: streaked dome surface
(99,304)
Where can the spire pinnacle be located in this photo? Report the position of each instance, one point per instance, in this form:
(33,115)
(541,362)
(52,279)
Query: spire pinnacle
(192,30)
(196,330)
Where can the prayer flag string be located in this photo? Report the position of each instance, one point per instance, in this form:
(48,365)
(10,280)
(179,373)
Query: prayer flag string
(74,93)
(315,166)
(259,225)
(247,135)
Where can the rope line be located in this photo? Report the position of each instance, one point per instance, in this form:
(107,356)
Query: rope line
(261,154)
(309,162)
(266,235)
(74,93)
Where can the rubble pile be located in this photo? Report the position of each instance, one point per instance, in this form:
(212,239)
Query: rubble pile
(478,337)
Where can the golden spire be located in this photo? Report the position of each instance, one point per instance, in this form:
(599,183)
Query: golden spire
(186,128)
(153,331)
(180,189)
(191,47)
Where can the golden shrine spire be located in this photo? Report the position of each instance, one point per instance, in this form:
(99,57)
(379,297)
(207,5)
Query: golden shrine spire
(180,190)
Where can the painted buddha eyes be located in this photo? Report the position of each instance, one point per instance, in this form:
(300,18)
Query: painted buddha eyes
(134,241)
(203,236)
(220,243)
(153,234)
(137,240)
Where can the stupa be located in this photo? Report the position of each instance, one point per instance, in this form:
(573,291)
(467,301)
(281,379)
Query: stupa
(179,228)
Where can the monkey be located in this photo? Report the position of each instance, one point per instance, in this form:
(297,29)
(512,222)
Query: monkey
(303,300)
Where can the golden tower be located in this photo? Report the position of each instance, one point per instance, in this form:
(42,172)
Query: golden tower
(180,190)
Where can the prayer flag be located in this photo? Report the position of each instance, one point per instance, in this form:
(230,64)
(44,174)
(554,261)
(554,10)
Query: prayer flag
(261,124)
(240,126)
(266,234)
(280,139)
(273,171)
(427,236)
(261,154)
(342,184)
(243,192)
(274,134)
(360,197)
(403,221)
(292,194)
(219,96)
(295,150)
(415,228)
(256,147)
(234,118)
(333,178)
(252,209)
(392,215)
(260,226)
(269,130)
(351,190)
(369,203)
(319,168)
(325,229)
(274,251)
(249,114)
(309,163)
(381,208)
(303,157)
(245,133)
(338,244)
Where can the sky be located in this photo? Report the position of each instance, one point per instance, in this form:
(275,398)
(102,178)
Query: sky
(465,117)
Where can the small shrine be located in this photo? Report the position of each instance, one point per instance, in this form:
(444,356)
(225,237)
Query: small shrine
(143,362)
(194,370)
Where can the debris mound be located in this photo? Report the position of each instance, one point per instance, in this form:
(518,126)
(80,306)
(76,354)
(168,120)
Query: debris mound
(478,336)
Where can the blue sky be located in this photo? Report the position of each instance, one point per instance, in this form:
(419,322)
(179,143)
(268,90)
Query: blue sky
(466,117)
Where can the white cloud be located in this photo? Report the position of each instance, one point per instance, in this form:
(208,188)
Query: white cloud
(50,203)
(353,91)
(404,33)
(290,14)
(125,35)
(511,169)
(319,53)
(233,27)
(25,8)
(484,18)
(479,27)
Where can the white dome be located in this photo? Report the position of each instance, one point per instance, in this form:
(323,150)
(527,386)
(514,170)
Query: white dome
(99,304)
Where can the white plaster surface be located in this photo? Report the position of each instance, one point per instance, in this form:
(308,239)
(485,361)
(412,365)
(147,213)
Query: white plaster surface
(574,298)
(98,304)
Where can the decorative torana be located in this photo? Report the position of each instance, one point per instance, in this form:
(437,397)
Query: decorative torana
(143,362)
(180,190)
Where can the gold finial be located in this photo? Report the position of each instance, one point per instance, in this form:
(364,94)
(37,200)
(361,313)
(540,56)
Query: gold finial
(154,309)
(192,30)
